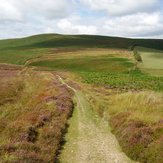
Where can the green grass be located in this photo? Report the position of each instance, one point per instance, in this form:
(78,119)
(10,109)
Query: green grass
(20,56)
(152,61)
(105,70)
(131,80)
(17,51)
(88,64)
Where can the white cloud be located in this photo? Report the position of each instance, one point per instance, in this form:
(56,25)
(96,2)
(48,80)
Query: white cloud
(21,9)
(129,18)
(48,8)
(67,27)
(122,7)
(9,11)
(138,25)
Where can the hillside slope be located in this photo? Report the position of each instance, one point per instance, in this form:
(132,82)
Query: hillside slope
(17,51)
(57,40)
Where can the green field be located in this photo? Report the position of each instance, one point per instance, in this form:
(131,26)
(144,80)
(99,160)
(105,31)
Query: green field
(88,64)
(105,70)
(152,61)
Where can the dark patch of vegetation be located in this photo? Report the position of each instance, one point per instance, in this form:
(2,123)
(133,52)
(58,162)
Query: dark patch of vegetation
(137,56)
(132,47)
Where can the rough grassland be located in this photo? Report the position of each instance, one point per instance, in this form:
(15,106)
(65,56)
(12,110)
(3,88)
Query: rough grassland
(135,119)
(119,90)
(116,70)
(33,121)
(134,114)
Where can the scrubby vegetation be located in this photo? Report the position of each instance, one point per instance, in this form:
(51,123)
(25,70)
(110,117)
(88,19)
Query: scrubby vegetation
(108,71)
(136,119)
(33,123)
(10,86)
(134,80)
(137,56)
(135,114)
(34,106)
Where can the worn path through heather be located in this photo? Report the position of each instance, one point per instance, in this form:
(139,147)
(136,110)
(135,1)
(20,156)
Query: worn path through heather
(89,139)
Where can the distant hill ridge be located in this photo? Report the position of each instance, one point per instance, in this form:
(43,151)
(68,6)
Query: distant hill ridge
(79,41)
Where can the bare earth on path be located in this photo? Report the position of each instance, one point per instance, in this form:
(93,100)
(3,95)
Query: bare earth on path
(89,139)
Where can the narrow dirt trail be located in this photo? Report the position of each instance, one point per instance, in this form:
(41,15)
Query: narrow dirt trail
(89,139)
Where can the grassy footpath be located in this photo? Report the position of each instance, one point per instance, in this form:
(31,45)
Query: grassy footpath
(33,121)
(89,138)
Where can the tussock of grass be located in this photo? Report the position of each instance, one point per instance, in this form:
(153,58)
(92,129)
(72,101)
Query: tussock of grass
(136,120)
(144,106)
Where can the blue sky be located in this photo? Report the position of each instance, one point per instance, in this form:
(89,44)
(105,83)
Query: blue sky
(126,18)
